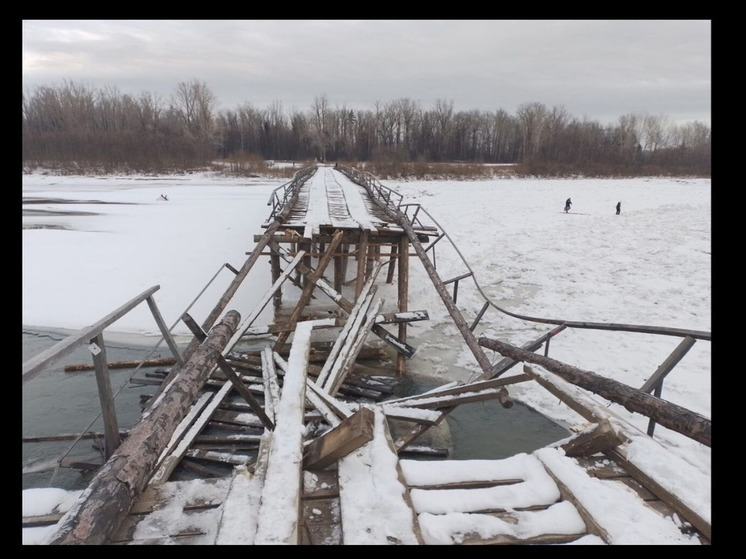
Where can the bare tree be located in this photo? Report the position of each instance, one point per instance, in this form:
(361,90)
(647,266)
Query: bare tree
(531,117)
(319,121)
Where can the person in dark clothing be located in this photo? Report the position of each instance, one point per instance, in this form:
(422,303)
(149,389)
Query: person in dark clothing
(568,203)
(618,208)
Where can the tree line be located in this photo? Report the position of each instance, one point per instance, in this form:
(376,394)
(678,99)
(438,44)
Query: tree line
(75,125)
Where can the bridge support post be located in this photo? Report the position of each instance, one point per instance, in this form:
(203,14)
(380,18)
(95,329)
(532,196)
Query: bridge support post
(403,296)
(274,262)
(393,251)
(362,260)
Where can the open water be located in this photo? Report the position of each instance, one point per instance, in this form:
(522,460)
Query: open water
(57,402)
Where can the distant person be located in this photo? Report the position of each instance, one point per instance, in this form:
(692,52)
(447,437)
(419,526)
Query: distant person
(618,208)
(568,203)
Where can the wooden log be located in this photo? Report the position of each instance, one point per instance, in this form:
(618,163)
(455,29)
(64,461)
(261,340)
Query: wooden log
(123,364)
(458,319)
(109,496)
(67,437)
(665,413)
(504,398)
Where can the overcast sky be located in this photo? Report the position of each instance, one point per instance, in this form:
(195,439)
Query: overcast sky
(595,69)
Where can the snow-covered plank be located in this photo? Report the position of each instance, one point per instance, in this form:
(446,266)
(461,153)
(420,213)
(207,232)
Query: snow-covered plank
(534,486)
(278,516)
(691,498)
(384,516)
(614,507)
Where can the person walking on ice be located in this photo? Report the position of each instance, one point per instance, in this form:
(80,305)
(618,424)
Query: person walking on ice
(618,208)
(568,203)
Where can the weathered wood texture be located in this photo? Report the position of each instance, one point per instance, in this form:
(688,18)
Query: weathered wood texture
(159,362)
(348,436)
(116,486)
(668,414)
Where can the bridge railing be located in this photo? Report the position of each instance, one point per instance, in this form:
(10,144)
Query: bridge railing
(379,192)
(281,196)
(93,337)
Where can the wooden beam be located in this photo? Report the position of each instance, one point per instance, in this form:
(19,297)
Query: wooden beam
(399,345)
(598,437)
(348,436)
(362,252)
(402,303)
(309,286)
(668,414)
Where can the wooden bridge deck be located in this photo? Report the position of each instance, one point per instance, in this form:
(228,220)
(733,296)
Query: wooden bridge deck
(329,200)
(329,471)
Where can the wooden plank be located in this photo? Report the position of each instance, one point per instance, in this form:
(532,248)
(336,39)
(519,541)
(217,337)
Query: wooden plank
(346,437)
(282,483)
(453,389)
(320,484)
(315,399)
(352,322)
(345,341)
(400,346)
(321,522)
(383,318)
(180,441)
(404,413)
(375,464)
(271,385)
(349,355)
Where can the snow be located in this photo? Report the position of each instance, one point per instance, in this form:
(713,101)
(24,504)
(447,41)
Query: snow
(650,265)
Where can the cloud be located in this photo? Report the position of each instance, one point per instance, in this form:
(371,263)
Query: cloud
(601,69)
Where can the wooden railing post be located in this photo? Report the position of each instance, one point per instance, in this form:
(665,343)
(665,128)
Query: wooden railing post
(108,409)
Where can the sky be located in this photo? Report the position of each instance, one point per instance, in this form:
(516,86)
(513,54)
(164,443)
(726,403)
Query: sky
(649,265)
(595,69)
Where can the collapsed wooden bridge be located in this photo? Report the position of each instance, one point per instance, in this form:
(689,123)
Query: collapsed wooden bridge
(287,440)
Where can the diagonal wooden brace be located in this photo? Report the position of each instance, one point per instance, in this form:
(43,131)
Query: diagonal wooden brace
(232,376)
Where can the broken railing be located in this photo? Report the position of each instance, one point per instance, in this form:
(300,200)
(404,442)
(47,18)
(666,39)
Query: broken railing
(93,336)
(380,193)
(282,196)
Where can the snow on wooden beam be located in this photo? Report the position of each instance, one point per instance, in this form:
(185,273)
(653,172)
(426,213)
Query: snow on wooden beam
(277,523)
